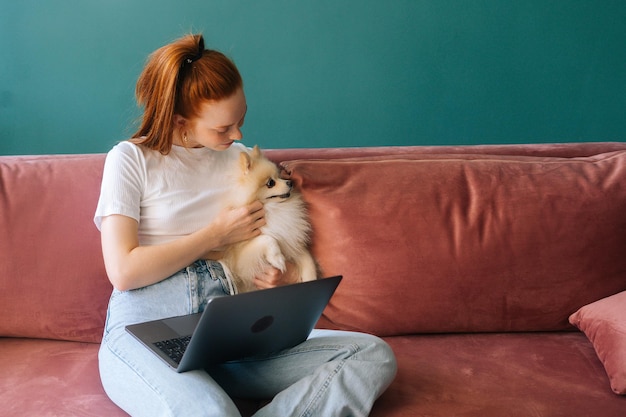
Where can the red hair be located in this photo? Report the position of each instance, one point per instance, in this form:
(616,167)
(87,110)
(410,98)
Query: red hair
(177,78)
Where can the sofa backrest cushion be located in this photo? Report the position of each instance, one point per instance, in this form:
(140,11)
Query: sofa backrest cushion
(53,283)
(52,279)
(466,243)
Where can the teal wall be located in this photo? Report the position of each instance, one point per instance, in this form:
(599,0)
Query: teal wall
(325,72)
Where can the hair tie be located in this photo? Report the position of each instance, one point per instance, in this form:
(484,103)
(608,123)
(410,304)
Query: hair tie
(198,55)
(193,58)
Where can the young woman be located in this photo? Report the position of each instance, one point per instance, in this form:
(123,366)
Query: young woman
(162,231)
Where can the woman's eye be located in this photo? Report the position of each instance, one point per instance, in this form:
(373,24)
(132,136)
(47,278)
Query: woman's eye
(270,183)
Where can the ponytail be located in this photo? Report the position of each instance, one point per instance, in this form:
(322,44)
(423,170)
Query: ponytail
(177,78)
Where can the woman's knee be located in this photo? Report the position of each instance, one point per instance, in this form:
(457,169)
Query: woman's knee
(371,351)
(378,351)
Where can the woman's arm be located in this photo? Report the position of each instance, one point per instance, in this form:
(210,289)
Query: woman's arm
(131,266)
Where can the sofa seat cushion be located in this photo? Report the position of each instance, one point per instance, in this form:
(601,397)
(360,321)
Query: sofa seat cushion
(515,374)
(465,243)
(495,375)
(52,378)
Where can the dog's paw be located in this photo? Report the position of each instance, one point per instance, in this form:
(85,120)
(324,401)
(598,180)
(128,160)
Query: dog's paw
(309,274)
(275,257)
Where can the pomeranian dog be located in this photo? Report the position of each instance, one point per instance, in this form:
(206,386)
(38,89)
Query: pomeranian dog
(285,236)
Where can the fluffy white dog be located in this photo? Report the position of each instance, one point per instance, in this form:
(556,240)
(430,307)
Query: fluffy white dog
(284,238)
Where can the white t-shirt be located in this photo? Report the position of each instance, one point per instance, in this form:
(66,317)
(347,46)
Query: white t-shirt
(171,195)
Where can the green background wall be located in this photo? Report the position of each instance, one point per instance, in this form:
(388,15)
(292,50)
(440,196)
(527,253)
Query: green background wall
(325,72)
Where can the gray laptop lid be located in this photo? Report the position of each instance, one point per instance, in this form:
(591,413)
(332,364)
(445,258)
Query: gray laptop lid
(242,325)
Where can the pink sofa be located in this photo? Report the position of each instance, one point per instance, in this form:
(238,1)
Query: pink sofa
(496,273)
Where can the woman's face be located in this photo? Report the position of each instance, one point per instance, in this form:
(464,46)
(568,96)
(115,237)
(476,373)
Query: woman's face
(218,124)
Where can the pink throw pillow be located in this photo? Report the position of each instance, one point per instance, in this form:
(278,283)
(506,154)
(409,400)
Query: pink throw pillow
(604,323)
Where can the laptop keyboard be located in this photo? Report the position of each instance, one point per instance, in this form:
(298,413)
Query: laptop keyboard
(174,348)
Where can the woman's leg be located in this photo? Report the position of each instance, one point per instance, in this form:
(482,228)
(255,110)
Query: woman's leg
(331,374)
(136,379)
(142,385)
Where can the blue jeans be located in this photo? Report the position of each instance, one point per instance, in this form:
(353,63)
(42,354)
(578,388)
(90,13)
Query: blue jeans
(333,373)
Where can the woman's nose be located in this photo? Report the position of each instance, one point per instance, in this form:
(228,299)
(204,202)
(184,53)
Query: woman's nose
(236,135)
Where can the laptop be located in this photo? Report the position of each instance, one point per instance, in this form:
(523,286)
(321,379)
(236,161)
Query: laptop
(238,326)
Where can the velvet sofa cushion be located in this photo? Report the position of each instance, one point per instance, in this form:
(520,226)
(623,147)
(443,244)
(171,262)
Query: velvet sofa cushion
(604,323)
(52,276)
(48,378)
(463,243)
(547,374)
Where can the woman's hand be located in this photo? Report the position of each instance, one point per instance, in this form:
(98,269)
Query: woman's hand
(273,277)
(234,225)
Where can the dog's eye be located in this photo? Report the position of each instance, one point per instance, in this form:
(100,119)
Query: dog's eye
(270,183)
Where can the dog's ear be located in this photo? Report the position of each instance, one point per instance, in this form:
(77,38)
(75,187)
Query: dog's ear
(256,152)
(245,162)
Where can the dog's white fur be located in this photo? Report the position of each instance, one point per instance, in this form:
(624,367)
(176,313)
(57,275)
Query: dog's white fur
(285,236)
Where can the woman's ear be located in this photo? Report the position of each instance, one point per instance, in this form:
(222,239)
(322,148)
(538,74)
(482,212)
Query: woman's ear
(179,121)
